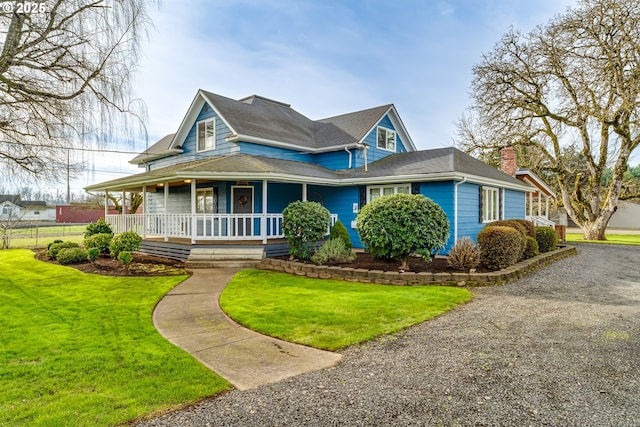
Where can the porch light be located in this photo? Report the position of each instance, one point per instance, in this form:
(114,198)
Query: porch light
(188,181)
(161,185)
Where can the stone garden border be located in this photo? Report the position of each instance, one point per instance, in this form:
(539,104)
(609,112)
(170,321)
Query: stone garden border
(506,275)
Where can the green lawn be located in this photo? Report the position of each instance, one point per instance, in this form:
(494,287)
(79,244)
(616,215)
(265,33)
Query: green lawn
(81,349)
(330,314)
(612,239)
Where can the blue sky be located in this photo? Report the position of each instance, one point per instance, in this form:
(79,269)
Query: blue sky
(324,58)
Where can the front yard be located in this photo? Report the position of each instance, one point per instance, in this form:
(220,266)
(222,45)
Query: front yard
(81,349)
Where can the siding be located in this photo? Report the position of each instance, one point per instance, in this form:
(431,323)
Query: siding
(338,200)
(373,152)
(180,198)
(514,204)
(281,194)
(442,194)
(275,152)
(337,160)
(189,145)
(469,211)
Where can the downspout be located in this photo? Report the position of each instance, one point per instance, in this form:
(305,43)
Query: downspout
(347,150)
(455,208)
(365,158)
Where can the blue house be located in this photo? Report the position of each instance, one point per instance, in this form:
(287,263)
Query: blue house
(222,180)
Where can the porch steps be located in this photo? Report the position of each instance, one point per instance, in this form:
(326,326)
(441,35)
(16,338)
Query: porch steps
(225,257)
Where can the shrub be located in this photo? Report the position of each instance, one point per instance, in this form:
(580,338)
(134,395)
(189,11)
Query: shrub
(400,225)
(528,225)
(531,248)
(547,238)
(54,248)
(500,246)
(55,241)
(333,251)
(339,231)
(101,241)
(71,255)
(303,223)
(93,254)
(465,255)
(128,241)
(99,227)
(125,257)
(509,223)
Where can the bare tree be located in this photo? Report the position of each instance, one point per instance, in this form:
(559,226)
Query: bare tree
(569,90)
(66,69)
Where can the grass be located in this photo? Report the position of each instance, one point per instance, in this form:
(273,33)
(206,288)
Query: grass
(612,239)
(32,237)
(330,314)
(81,349)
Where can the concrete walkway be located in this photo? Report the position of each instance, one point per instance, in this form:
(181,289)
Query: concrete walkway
(190,317)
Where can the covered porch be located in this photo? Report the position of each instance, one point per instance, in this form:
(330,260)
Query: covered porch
(537,209)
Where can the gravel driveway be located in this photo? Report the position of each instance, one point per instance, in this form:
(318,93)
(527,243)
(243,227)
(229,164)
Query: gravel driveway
(558,348)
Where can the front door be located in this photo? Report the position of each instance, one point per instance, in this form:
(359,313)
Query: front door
(242,204)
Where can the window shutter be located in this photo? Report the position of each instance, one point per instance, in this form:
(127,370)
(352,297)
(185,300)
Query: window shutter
(362,190)
(415,188)
(480,204)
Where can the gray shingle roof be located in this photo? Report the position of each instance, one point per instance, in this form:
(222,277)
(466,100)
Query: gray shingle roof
(159,147)
(347,128)
(13,198)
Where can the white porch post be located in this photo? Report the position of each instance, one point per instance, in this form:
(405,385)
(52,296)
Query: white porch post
(539,203)
(546,212)
(144,211)
(123,211)
(106,204)
(193,211)
(530,203)
(166,211)
(304,191)
(263,219)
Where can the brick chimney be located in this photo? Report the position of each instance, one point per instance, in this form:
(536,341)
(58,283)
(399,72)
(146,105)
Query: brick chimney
(508,160)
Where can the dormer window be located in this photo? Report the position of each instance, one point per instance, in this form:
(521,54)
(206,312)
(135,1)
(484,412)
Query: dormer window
(206,135)
(386,139)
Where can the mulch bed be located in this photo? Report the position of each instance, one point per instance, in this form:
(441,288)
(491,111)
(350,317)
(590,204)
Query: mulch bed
(142,265)
(417,265)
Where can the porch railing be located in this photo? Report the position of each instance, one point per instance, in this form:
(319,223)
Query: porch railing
(540,221)
(203,226)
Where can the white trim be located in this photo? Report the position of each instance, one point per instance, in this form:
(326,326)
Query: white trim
(455,208)
(486,218)
(381,187)
(386,129)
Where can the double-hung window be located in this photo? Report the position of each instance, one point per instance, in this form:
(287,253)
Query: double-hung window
(386,190)
(490,204)
(206,201)
(206,135)
(386,139)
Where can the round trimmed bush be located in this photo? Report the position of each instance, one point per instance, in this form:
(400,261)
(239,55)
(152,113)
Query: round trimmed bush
(302,224)
(339,231)
(528,225)
(101,241)
(500,246)
(509,223)
(531,248)
(99,227)
(401,225)
(93,254)
(127,241)
(55,241)
(54,248)
(125,257)
(547,239)
(71,255)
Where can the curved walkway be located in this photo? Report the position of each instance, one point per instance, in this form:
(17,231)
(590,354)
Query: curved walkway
(190,317)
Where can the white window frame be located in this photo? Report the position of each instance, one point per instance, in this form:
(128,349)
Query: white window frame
(490,211)
(204,193)
(209,143)
(395,139)
(381,189)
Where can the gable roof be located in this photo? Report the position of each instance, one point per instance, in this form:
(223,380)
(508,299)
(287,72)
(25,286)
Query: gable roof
(427,165)
(265,121)
(526,175)
(11,198)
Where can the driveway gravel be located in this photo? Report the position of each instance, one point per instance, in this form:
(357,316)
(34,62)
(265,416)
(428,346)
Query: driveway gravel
(558,348)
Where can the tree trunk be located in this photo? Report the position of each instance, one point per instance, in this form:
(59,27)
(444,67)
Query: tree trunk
(594,231)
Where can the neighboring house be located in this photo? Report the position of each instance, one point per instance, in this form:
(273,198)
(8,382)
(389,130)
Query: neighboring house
(627,215)
(232,166)
(12,207)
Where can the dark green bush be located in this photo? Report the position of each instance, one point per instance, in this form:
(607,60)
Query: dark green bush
(100,241)
(500,246)
(401,225)
(54,248)
(99,227)
(528,225)
(55,241)
(71,255)
(465,255)
(547,239)
(128,241)
(333,251)
(509,223)
(93,254)
(302,224)
(339,231)
(531,248)
(125,257)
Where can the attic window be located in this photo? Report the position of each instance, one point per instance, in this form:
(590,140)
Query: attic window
(206,135)
(386,139)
